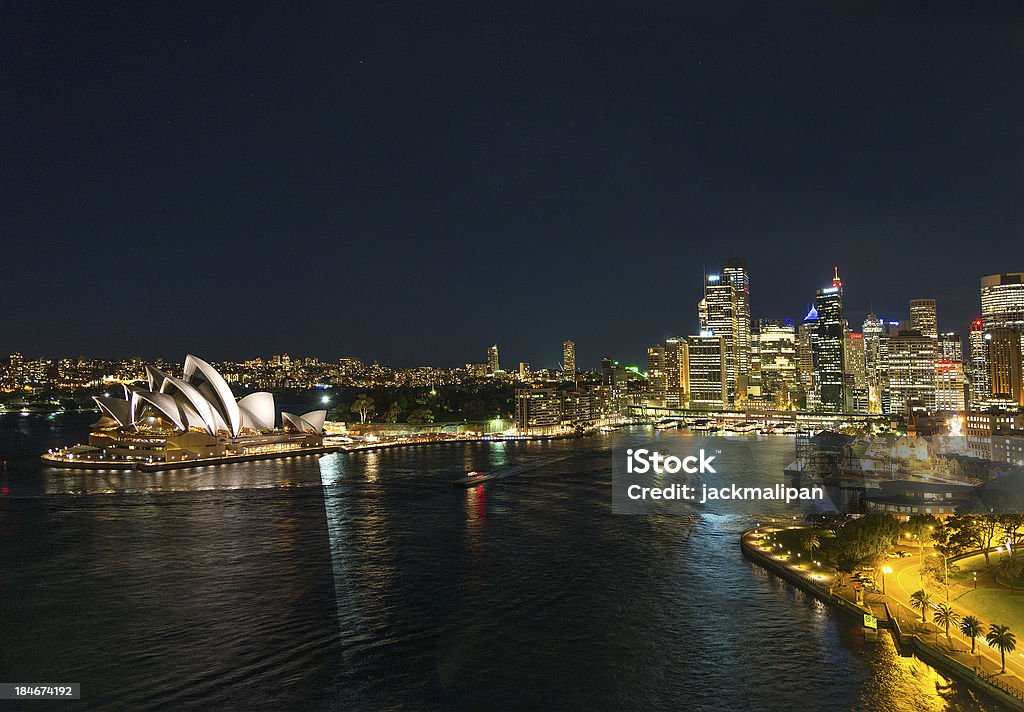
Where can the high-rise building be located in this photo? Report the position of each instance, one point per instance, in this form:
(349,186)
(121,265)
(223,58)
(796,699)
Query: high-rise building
(677,373)
(911,372)
(980,381)
(805,337)
(1002,300)
(538,408)
(950,389)
(923,317)
(720,307)
(951,347)
(707,369)
(734,270)
(856,376)
(524,371)
(569,357)
(492,360)
(829,338)
(778,364)
(1004,356)
(876,362)
(656,374)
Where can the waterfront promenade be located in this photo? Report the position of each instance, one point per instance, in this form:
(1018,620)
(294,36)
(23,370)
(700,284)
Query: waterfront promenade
(893,611)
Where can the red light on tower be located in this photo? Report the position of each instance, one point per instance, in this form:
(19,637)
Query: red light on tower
(836,282)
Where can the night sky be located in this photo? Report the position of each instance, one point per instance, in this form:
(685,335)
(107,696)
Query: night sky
(411,182)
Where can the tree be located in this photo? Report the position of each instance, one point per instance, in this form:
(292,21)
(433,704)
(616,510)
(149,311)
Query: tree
(945,616)
(971,627)
(989,525)
(393,412)
(810,540)
(919,601)
(421,416)
(1000,638)
(363,405)
(1011,567)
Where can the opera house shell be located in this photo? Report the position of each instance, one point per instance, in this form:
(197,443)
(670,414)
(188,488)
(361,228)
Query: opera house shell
(197,416)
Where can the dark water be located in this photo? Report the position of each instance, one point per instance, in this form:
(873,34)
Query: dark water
(369,582)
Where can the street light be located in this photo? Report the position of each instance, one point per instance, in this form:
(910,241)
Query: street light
(975,580)
(885,570)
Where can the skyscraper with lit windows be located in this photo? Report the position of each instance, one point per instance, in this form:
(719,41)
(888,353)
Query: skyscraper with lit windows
(829,338)
(923,317)
(719,312)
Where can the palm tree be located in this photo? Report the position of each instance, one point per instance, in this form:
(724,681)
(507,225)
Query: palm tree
(811,541)
(971,627)
(1011,567)
(1000,638)
(945,616)
(919,600)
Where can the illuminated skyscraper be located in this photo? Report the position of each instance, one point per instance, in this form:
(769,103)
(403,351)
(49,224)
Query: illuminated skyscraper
(951,347)
(949,387)
(805,355)
(856,377)
(720,307)
(911,372)
(1004,356)
(980,382)
(829,337)
(876,362)
(735,272)
(569,357)
(707,372)
(777,358)
(1002,300)
(492,360)
(677,373)
(923,317)
(656,374)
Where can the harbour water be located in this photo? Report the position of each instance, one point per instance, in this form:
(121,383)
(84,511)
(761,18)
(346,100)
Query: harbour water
(367,581)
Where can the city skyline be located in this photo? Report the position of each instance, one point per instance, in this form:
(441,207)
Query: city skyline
(394,170)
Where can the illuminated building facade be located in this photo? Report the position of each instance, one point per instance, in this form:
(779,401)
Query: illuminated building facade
(950,347)
(707,369)
(829,339)
(677,373)
(720,317)
(876,362)
(778,363)
(569,357)
(911,372)
(980,382)
(950,387)
(855,370)
(656,383)
(735,272)
(923,317)
(493,366)
(1004,356)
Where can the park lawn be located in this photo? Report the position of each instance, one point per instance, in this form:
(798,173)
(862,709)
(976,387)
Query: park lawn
(995,606)
(792,539)
(963,573)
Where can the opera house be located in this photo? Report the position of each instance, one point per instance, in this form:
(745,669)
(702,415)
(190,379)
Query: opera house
(195,417)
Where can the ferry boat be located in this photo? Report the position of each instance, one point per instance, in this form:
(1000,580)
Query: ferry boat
(473,479)
(666,424)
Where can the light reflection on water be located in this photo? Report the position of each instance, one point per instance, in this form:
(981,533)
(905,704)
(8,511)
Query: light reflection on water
(369,582)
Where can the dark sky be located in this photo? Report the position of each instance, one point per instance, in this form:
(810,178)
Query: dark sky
(413,181)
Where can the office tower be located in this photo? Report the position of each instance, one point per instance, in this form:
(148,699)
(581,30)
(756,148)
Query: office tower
(1004,357)
(677,373)
(923,317)
(980,382)
(911,372)
(778,361)
(951,347)
(876,361)
(805,355)
(1002,300)
(656,374)
(855,371)
(720,307)
(708,389)
(735,272)
(524,371)
(829,337)
(950,387)
(492,359)
(569,357)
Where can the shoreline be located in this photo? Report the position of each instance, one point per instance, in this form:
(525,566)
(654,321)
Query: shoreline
(907,643)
